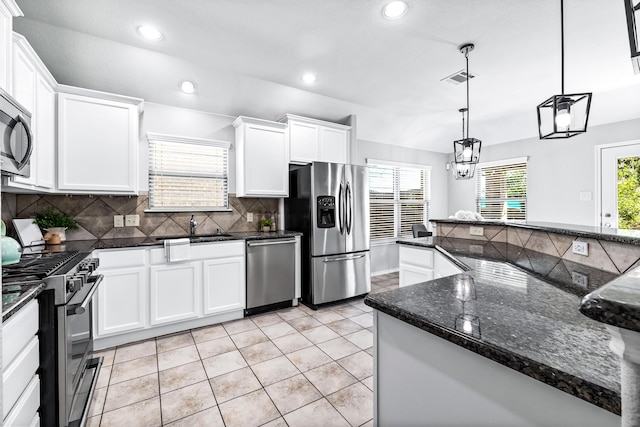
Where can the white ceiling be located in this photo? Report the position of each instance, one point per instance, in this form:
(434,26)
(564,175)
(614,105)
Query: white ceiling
(247,57)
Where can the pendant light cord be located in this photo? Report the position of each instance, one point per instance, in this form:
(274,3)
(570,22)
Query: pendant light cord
(562,44)
(466,56)
(462,124)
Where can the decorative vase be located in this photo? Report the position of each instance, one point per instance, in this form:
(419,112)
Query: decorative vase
(60,231)
(266,229)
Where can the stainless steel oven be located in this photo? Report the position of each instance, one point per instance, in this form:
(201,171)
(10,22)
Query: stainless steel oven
(16,139)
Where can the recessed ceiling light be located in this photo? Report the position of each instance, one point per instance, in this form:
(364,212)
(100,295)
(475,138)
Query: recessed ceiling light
(149,33)
(188,87)
(309,78)
(394,10)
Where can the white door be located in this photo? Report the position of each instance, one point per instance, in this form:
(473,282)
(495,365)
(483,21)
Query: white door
(619,182)
(224,285)
(120,305)
(174,292)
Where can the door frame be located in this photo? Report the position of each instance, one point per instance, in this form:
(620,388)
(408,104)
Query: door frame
(598,183)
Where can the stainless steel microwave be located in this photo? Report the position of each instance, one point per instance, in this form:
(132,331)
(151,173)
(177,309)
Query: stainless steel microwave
(17,139)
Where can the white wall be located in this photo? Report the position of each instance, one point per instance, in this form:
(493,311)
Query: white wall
(557,171)
(164,119)
(384,257)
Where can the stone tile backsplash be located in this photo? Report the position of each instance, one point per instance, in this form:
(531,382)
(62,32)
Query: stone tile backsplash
(95,215)
(604,255)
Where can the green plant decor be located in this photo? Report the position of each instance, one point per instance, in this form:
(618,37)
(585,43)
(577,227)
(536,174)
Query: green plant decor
(50,218)
(265,222)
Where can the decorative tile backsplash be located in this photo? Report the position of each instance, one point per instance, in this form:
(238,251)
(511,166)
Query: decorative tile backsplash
(95,215)
(604,255)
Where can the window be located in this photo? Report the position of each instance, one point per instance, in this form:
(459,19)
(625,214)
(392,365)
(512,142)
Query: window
(501,190)
(399,198)
(187,174)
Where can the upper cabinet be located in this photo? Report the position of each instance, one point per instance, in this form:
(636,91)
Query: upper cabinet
(8,9)
(316,140)
(35,88)
(262,158)
(97,142)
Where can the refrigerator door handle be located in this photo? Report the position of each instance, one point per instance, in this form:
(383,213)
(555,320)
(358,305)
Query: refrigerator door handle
(348,208)
(340,210)
(343,258)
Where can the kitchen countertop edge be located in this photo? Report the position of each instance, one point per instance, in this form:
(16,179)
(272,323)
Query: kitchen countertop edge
(27,296)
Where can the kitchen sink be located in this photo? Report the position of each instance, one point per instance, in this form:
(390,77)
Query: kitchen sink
(196,236)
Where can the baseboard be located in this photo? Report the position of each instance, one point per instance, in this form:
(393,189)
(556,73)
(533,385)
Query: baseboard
(380,273)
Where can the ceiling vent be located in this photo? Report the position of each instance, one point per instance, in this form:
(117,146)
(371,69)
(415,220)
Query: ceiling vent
(458,77)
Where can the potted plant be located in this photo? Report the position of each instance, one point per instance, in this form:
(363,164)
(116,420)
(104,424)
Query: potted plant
(265,224)
(54,222)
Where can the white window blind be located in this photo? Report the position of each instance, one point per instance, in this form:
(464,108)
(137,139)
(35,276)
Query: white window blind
(187,174)
(501,191)
(399,197)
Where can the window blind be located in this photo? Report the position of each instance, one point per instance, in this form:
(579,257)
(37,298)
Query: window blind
(501,191)
(399,197)
(187,174)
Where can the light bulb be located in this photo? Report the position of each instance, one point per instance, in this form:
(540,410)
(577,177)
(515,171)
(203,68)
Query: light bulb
(309,78)
(466,154)
(188,87)
(150,33)
(467,326)
(394,10)
(563,118)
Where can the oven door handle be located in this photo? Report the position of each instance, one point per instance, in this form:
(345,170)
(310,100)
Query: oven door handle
(81,308)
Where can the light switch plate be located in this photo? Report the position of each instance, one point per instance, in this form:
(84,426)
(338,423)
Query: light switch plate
(580,248)
(118,220)
(132,220)
(476,231)
(249,216)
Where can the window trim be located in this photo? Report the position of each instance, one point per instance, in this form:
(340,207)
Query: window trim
(500,163)
(152,136)
(396,202)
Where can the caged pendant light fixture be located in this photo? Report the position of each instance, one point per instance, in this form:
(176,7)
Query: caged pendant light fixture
(564,115)
(466,151)
(632,9)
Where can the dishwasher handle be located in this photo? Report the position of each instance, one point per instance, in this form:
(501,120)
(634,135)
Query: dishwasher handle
(277,242)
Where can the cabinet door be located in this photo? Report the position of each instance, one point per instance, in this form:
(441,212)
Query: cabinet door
(24,91)
(410,275)
(175,292)
(266,161)
(97,145)
(443,267)
(6,25)
(303,141)
(121,303)
(334,144)
(46,130)
(224,285)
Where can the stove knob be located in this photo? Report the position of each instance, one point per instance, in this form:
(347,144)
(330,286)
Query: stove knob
(74,284)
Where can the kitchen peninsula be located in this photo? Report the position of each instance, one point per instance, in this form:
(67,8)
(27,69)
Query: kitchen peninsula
(504,342)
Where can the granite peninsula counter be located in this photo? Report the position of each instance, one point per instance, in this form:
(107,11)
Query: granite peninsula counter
(513,308)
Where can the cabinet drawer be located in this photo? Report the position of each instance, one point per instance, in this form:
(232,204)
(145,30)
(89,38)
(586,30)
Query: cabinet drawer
(121,258)
(416,256)
(18,331)
(27,406)
(17,374)
(204,251)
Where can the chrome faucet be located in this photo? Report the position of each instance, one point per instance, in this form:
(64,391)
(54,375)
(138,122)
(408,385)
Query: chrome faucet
(192,226)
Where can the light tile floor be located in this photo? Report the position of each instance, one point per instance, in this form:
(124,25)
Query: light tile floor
(291,367)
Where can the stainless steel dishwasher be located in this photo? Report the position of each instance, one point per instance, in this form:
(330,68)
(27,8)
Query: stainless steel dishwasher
(270,274)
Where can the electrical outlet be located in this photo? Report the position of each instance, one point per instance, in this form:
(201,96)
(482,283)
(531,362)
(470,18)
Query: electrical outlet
(580,279)
(118,220)
(476,231)
(249,216)
(132,220)
(580,248)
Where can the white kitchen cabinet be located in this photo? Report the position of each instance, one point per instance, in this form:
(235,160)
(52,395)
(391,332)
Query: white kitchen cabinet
(223,285)
(20,363)
(419,265)
(313,140)
(8,9)
(97,142)
(262,158)
(35,88)
(122,300)
(174,292)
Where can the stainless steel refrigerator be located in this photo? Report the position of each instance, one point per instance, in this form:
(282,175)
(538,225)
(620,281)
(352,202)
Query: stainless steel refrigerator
(329,204)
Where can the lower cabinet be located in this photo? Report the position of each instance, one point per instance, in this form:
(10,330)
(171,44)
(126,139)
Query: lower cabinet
(419,265)
(144,296)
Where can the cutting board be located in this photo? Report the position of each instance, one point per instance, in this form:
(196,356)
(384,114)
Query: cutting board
(28,232)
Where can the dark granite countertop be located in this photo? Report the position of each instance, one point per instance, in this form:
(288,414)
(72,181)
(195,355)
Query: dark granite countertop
(512,316)
(602,233)
(14,297)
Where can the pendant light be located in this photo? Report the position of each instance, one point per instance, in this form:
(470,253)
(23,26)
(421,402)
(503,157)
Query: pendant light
(633,17)
(564,115)
(466,151)
(462,170)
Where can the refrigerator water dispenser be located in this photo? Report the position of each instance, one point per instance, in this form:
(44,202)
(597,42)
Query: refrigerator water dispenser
(326,216)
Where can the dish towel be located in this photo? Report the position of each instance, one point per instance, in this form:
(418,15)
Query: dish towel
(177,250)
